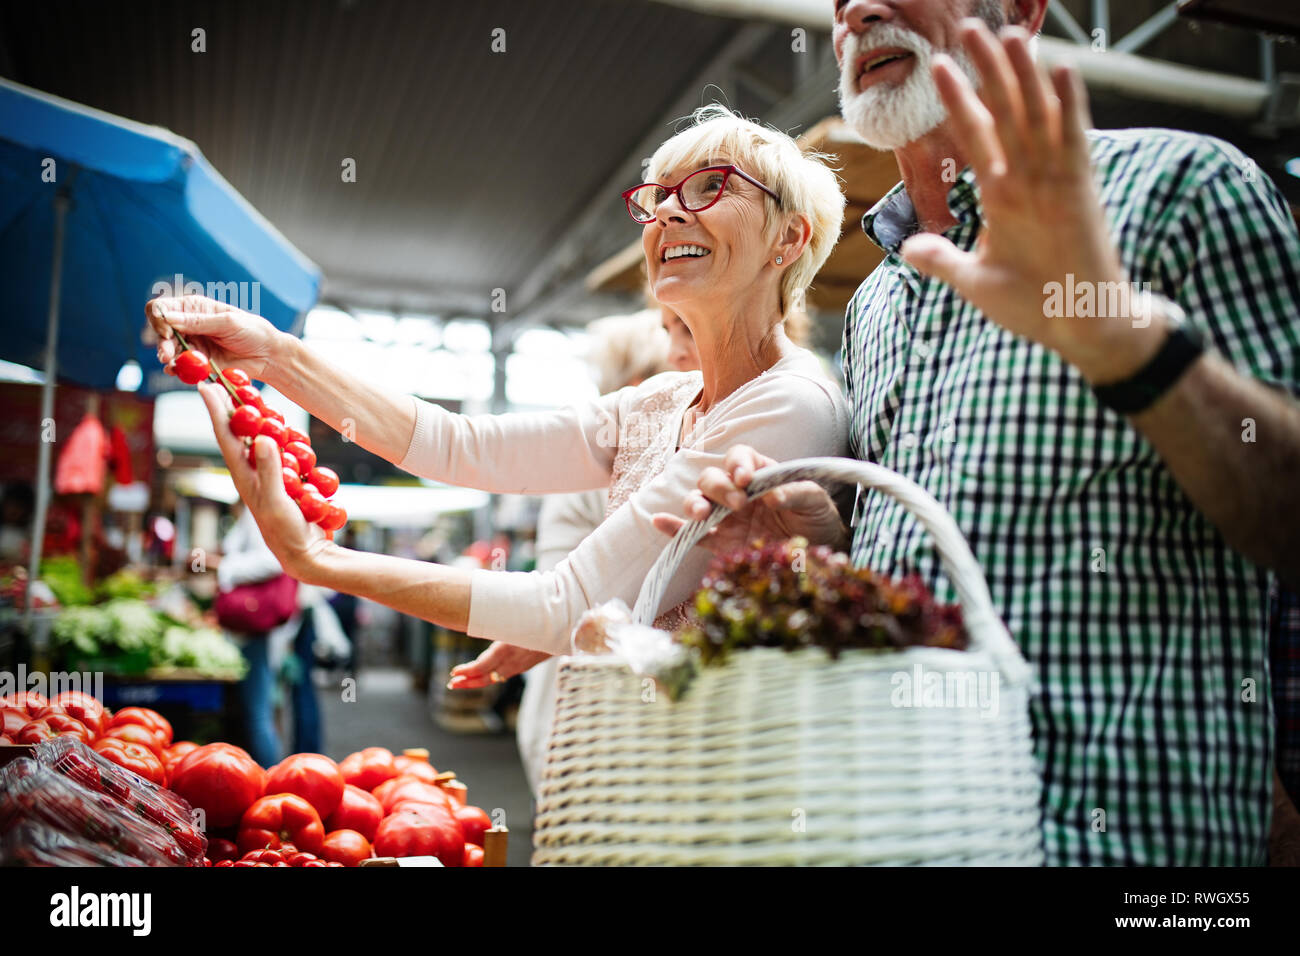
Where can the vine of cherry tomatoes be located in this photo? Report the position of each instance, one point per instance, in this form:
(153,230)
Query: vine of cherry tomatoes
(308,484)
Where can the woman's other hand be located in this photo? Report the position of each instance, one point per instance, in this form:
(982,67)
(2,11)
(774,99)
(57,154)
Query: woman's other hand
(799,508)
(224,333)
(297,545)
(495,665)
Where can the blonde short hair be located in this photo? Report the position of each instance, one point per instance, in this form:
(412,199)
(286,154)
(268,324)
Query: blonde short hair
(802,178)
(627,348)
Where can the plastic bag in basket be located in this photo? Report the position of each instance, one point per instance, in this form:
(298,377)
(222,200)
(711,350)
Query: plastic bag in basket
(648,651)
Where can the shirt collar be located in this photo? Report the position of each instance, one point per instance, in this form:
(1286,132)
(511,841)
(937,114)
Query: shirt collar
(893,218)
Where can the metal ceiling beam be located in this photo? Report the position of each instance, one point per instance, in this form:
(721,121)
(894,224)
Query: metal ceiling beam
(1148,30)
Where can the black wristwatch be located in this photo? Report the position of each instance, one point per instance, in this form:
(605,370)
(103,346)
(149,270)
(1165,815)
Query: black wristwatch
(1181,348)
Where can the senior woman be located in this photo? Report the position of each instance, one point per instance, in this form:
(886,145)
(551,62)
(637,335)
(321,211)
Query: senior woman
(736,221)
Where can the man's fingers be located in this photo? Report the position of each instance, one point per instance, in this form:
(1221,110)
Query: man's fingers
(971,119)
(1042,108)
(999,89)
(1075,118)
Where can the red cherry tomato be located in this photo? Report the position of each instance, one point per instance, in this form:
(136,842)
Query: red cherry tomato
(295,435)
(311,504)
(319,863)
(272,413)
(288,461)
(236,377)
(473,855)
(292,483)
(303,455)
(219,849)
(325,480)
(192,367)
(334,517)
(314,777)
(272,429)
(346,846)
(246,421)
(147,718)
(248,395)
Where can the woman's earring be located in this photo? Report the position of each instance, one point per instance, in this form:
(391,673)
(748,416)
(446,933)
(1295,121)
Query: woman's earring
(778,260)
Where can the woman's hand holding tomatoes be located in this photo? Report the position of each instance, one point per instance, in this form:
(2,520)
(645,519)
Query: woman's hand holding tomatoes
(222,332)
(299,546)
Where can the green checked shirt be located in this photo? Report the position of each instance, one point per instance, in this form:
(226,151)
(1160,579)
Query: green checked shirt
(1152,715)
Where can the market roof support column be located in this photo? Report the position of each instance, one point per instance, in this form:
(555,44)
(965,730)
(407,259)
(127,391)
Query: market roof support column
(62,201)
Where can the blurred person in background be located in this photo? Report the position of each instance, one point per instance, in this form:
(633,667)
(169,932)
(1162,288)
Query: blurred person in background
(245,559)
(625,350)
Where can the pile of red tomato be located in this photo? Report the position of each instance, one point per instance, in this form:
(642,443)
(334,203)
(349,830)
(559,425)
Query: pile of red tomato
(374,803)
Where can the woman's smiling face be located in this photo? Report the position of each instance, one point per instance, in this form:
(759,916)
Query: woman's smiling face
(726,245)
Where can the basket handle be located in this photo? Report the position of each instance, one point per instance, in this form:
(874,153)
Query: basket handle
(985,627)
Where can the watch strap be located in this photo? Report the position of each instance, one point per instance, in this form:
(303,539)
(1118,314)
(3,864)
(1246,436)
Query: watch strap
(1183,346)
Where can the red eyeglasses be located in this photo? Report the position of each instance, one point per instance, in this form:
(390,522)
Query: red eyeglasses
(697,192)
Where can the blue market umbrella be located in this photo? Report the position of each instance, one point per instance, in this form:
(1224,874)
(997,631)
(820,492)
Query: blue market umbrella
(95,212)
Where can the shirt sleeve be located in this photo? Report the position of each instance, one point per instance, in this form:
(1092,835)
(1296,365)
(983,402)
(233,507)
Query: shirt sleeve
(784,416)
(1231,259)
(569,449)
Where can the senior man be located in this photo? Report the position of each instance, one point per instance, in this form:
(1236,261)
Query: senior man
(1124,467)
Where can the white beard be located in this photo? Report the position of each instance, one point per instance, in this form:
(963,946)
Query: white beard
(890,115)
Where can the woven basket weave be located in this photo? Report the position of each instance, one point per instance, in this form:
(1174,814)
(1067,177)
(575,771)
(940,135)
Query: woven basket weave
(792,758)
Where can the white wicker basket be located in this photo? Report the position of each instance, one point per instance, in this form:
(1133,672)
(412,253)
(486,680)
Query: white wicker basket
(792,758)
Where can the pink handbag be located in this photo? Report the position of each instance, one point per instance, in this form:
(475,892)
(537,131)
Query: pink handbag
(258,608)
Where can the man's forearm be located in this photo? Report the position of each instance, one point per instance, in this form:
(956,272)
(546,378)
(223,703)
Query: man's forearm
(1233,445)
(379,420)
(432,592)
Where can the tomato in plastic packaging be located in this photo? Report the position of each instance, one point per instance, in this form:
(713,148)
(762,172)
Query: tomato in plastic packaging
(425,830)
(358,811)
(314,777)
(137,758)
(222,780)
(147,718)
(346,846)
(281,818)
(369,768)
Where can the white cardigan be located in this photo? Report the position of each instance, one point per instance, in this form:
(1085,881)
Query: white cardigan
(792,410)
